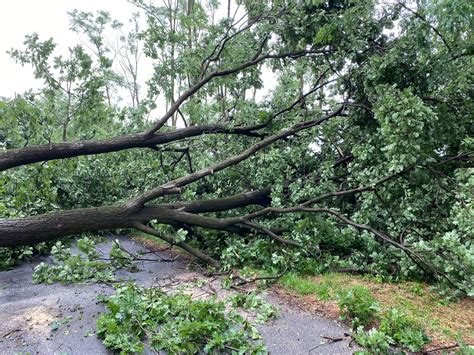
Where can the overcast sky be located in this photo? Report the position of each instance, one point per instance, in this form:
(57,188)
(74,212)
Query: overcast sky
(49,19)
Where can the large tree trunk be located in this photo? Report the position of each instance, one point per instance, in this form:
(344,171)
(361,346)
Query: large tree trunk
(25,231)
(31,230)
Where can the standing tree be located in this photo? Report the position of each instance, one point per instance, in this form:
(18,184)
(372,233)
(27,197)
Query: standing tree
(360,157)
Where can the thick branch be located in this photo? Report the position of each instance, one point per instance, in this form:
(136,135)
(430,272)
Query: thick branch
(187,179)
(195,252)
(258,197)
(46,152)
(31,230)
(28,155)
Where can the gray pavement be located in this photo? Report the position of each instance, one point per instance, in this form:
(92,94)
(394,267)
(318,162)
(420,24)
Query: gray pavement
(27,312)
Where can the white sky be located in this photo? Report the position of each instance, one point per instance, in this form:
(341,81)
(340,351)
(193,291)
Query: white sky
(49,18)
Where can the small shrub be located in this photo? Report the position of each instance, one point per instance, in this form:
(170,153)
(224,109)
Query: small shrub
(375,341)
(404,330)
(359,305)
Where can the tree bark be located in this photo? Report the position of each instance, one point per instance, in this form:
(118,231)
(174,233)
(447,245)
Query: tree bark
(32,230)
(22,156)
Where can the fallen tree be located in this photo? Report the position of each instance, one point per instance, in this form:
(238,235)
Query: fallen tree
(380,140)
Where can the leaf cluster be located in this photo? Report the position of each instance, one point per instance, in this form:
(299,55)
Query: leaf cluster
(84,266)
(141,317)
(395,328)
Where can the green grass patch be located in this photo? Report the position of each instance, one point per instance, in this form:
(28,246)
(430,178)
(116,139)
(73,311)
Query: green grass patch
(300,285)
(325,289)
(444,321)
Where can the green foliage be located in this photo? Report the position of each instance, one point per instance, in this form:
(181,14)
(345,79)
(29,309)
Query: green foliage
(85,266)
(120,258)
(403,330)
(264,310)
(410,108)
(396,328)
(375,341)
(11,257)
(359,305)
(300,285)
(407,79)
(172,323)
(405,125)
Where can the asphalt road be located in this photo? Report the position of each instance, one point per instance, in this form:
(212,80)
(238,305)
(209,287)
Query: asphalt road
(27,312)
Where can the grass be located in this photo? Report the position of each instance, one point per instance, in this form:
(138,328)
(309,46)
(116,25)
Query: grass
(444,321)
(301,286)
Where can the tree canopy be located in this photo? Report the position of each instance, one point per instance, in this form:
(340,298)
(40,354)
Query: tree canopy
(359,158)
